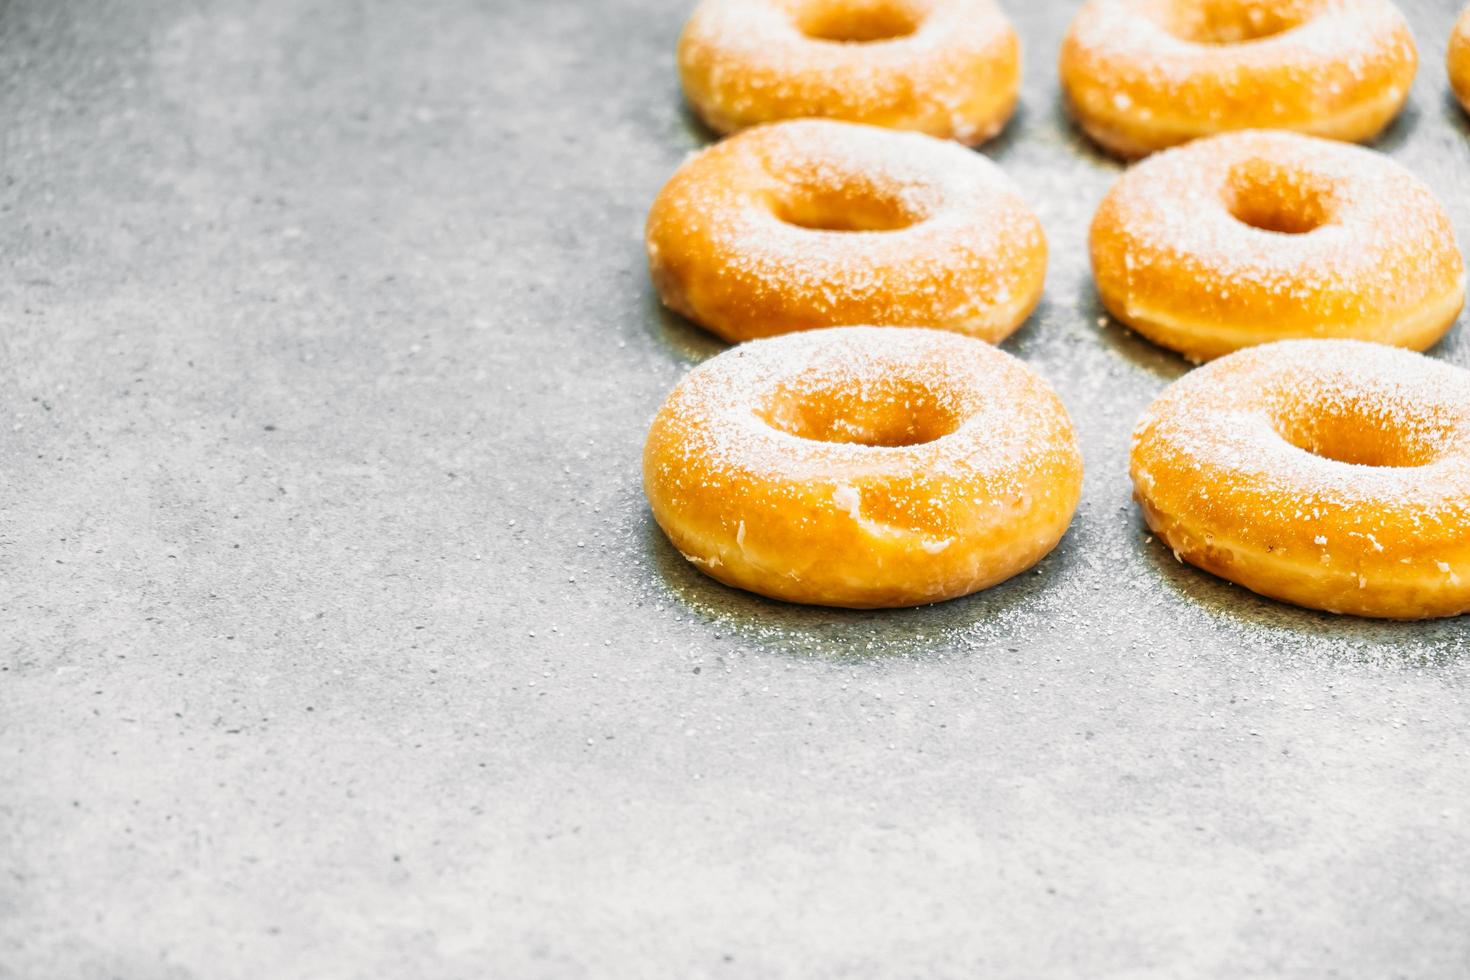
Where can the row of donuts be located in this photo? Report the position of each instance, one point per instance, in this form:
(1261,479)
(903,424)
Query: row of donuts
(1225,242)
(868,467)
(894,466)
(1138,75)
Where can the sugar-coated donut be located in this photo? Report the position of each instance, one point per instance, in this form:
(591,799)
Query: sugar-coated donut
(1457,61)
(949,68)
(1333,474)
(1140,75)
(1251,237)
(813,223)
(863,467)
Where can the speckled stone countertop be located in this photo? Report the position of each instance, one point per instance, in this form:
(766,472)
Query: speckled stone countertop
(336,640)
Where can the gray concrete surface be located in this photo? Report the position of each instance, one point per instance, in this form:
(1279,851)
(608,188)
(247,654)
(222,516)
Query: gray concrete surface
(335,640)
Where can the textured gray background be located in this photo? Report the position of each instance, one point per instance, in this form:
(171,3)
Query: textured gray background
(337,641)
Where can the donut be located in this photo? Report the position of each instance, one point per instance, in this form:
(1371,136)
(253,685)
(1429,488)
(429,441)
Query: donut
(862,467)
(813,223)
(1333,474)
(1140,75)
(1458,59)
(948,68)
(1250,237)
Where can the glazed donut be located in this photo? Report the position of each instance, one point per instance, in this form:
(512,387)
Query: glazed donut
(813,223)
(1140,75)
(949,68)
(1251,237)
(863,467)
(1333,474)
(1458,59)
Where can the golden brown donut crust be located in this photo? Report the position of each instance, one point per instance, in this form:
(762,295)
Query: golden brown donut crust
(1141,75)
(813,223)
(1250,237)
(1457,61)
(1331,474)
(948,68)
(863,467)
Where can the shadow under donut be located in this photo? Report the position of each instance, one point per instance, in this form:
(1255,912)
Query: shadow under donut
(1000,145)
(695,345)
(686,339)
(1077,140)
(1353,638)
(1456,114)
(1397,132)
(1134,348)
(994,616)
(1029,334)
(699,131)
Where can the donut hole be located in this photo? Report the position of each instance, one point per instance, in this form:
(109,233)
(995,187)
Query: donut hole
(1361,433)
(1270,197)
(861,22)
(1219,22)
(887,412)
(852,207)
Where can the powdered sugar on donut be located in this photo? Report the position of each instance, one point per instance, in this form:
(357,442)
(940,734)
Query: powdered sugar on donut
(1143,74)
(966,252)
(1332,474)
(1009,424)
(1167,242)
(1224,424)
(952,70)
(894,448)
